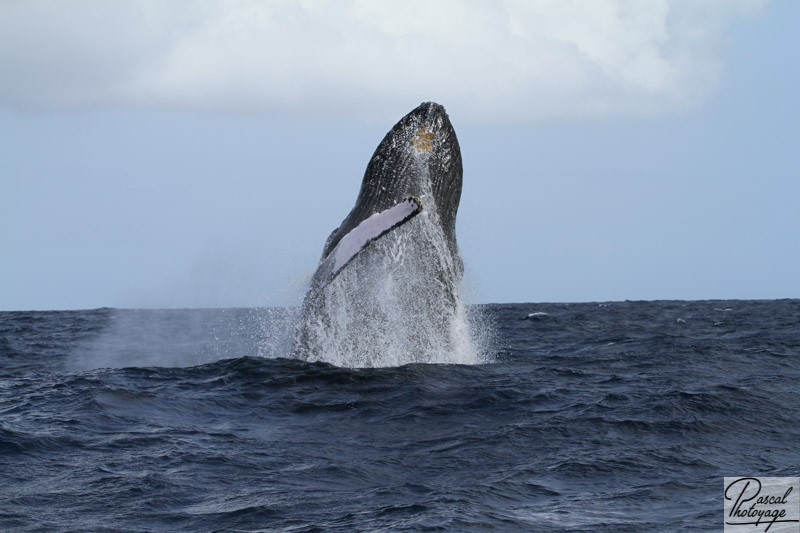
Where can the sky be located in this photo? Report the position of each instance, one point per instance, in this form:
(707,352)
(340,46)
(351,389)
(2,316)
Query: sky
(197,154)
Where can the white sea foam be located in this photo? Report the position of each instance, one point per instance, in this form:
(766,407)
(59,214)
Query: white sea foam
(397,304)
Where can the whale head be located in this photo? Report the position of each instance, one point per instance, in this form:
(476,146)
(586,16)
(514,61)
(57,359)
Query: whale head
(419,157)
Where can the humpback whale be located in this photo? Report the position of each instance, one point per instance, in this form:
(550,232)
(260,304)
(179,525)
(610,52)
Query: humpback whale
(386,289)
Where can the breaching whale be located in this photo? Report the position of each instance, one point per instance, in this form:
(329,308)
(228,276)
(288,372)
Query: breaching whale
(386,288)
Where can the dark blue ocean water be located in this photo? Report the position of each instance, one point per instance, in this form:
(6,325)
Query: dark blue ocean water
(594,417)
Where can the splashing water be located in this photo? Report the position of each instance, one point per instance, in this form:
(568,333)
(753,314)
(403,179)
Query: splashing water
(398,303)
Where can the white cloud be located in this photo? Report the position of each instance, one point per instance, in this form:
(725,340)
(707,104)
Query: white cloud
(501,60)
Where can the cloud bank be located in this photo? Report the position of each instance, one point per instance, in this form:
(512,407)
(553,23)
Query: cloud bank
(502,60)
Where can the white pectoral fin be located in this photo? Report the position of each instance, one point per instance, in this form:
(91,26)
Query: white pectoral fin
(369,230)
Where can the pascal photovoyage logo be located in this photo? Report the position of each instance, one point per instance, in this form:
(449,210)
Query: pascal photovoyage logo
(764,504)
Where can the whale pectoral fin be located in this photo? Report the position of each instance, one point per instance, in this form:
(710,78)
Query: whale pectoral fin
(360,237)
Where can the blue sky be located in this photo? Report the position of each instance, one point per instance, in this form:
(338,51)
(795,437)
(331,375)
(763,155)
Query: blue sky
(157,156)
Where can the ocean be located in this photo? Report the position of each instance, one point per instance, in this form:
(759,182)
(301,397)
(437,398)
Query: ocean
(618,416)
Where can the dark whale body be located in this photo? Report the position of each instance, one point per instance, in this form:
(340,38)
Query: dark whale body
(383,240)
